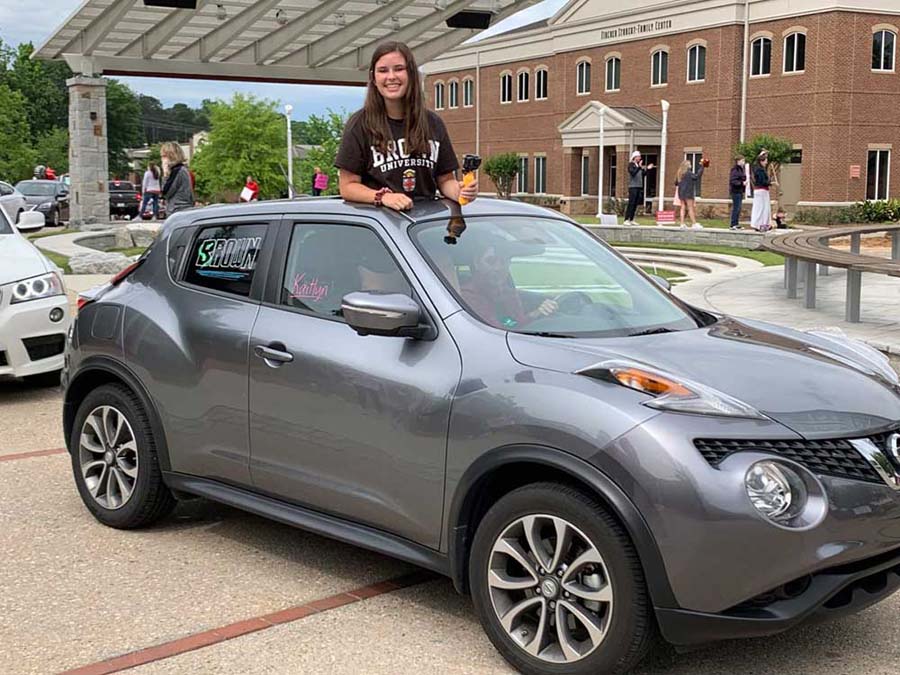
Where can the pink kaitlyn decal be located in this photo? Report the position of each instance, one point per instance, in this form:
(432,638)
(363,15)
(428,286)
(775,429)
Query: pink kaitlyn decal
(308,290)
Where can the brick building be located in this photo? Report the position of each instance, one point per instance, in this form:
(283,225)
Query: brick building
(821,73)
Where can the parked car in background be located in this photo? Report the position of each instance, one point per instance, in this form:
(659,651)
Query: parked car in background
(12,201)
(503,399)
(48,197)
(124,199)
(34,310)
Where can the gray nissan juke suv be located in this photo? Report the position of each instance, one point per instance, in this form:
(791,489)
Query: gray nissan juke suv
(496,395)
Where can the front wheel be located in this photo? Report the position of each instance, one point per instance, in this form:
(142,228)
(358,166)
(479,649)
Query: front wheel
(115,461)
(558,585)
(54,218)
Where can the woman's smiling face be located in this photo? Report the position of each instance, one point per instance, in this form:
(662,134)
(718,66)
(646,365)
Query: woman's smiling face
(391,76)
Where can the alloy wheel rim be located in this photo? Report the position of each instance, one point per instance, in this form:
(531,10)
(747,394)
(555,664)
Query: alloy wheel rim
(108,457)
(550,588)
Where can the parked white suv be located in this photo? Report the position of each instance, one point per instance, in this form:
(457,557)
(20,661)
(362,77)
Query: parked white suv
(34,311)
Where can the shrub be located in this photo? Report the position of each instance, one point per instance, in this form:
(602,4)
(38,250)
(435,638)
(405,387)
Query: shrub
(617,206)
(502,169)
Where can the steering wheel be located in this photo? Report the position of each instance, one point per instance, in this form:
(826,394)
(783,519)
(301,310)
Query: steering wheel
(573,302)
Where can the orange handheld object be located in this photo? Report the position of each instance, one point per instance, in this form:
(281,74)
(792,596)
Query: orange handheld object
(470,166)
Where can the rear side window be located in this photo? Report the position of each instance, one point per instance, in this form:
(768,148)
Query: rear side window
(223,258)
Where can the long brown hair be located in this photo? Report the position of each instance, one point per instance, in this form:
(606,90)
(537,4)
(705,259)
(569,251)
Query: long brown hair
(374,113)
(683,168)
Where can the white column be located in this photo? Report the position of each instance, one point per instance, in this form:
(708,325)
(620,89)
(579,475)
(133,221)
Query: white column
(662,154)
(88,158)
(478,103)
(288,109)
(600,168)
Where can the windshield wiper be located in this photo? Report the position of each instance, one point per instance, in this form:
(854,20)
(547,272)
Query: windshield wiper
(652,331)
(550,335)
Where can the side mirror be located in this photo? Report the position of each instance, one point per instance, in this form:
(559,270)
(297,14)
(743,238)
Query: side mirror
(661,281)
(30,221)
(386,314)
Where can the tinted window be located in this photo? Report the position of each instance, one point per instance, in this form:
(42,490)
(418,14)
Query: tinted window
(35,188)
(5,189)
(5,227)
(223,258)
(121,186)
(325,262)
(178,242)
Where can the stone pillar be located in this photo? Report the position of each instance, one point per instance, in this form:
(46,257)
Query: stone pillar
(88,159)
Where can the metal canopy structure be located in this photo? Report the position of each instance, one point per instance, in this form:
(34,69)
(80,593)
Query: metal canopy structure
(299,41)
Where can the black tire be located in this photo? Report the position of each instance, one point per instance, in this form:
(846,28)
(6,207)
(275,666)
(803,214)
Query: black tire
(632,629)
(54,218)
(50,379)
(150,500)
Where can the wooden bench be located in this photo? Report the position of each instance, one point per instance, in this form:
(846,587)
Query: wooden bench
(812,250)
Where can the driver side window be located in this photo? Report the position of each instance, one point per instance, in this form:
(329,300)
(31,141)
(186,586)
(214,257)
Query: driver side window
(328,261)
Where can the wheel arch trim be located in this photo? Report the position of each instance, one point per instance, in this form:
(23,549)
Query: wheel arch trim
(603,487)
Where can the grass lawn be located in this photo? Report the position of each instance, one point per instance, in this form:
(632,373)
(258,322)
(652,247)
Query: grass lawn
(717,223)
(60,260)
(669,275)
(51,232)
(765,257)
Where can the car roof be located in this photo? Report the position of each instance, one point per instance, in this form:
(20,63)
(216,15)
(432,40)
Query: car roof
(422,210)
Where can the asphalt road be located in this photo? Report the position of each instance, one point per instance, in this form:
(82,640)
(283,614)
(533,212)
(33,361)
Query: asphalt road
(74,593)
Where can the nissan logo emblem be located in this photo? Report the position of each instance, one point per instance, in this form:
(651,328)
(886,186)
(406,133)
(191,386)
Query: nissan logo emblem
(893,446)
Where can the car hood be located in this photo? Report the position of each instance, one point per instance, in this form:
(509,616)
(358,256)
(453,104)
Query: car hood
(19,259)
(813,385)
(32,200)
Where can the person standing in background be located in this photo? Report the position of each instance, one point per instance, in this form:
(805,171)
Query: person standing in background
(150,189)
(761,217)
(636,173)
(737,183)
(250,193)
(178,189)
(320,182)
(686,185)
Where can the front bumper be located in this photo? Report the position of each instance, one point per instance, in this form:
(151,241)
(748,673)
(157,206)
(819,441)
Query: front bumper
(825,595)
(30,343)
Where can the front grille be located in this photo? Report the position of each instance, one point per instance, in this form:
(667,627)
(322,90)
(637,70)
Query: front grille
(827,457)
(45,346)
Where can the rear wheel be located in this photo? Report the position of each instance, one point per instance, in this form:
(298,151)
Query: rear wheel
(54,218)
(115,461)
(558,585)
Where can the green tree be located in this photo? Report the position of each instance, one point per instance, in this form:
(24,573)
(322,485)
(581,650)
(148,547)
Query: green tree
(327,131)
(247,137)
(779,149)
(43,85)
(52,149)
(502,169)
(123,122)
(16,155)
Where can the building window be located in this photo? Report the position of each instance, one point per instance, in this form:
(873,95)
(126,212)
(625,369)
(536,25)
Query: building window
(522,94)
(468,93)
(506,88)
(585,174)
(883,43)
(522,177)
(583,77)
(795,53)
(540,84)
(611,183)
(878,177)
(761,56)
(540,174)
(695,158)
(439,96)
(696,64)
(453,92)
(659,68)
(613,73)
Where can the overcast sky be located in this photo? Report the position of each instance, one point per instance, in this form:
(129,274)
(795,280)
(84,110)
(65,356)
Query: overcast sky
(35,20)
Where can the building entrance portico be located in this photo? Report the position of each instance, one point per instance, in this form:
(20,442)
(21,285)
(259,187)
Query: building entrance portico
(625,129)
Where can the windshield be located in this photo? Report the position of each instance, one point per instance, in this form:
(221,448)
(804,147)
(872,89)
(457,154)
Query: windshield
(543,276)
(33,188)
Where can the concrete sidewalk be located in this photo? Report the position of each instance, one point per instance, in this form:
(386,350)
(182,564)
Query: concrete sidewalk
(761,295)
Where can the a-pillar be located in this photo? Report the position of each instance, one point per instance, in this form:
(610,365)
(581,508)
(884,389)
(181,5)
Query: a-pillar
(88,159)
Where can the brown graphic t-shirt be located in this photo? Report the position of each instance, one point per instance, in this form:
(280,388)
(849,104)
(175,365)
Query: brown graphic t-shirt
(414,175)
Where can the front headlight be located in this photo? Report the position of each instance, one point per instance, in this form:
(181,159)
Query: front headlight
(44,286)
(674,393)
(44,206)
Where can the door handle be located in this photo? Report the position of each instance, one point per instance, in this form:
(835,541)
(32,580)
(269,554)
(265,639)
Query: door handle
(271,354)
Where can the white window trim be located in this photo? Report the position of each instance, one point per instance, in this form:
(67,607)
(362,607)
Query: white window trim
(659,50)
(519,89)
(692,45)
(467,80)
(787,35)
(522,177)
(609,58)
(580,61)
(439,83)
(887,183)
(450,84)
(546,71)
(543,157)
(585,158)
(506,73)
(885,28)
(760,76)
